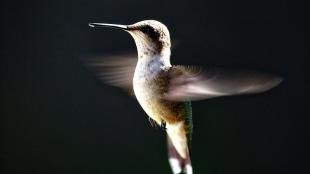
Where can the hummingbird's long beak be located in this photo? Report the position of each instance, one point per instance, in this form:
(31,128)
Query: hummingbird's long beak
(117,26)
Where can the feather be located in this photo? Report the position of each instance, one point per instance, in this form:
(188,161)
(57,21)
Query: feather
(191,83)
(116,71)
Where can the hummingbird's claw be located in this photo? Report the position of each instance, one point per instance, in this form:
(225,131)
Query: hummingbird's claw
(152,122)
(163,125)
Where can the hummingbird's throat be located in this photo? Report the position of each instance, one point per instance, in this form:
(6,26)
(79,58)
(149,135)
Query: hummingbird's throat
(147,53)
(148,47)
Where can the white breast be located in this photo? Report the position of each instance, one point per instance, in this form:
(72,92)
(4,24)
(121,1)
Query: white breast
(145,72)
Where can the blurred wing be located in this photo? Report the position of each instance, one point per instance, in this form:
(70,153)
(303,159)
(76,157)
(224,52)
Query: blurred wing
(116,71)
(194,84)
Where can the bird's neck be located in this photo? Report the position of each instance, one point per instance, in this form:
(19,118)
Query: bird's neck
(149,65)
(150,56)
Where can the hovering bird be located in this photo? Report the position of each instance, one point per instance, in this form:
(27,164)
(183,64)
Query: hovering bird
(165,91)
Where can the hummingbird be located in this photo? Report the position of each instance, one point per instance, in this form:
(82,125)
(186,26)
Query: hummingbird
(165,91)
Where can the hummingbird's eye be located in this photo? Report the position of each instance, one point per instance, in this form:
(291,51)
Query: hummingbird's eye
(150,31)
(147,30)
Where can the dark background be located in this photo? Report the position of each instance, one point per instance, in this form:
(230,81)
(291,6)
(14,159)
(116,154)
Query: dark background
(57,117)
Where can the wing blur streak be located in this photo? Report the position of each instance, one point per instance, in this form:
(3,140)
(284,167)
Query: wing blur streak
(198,85)
(116,71)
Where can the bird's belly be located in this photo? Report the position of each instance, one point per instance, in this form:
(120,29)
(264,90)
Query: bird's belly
(149,85)
(148,102)
(157,108)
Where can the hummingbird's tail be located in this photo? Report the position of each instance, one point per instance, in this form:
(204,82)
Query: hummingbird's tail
(179,157)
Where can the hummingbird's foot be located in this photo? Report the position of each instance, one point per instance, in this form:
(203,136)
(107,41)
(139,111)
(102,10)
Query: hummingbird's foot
(163,125)
(152,122)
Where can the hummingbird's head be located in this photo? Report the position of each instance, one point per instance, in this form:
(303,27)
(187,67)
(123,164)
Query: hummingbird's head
(151,37)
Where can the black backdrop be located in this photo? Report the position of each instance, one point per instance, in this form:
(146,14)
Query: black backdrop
(56,117)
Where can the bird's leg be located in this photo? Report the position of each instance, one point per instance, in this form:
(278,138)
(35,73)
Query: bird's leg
(163,125)
(152,122)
